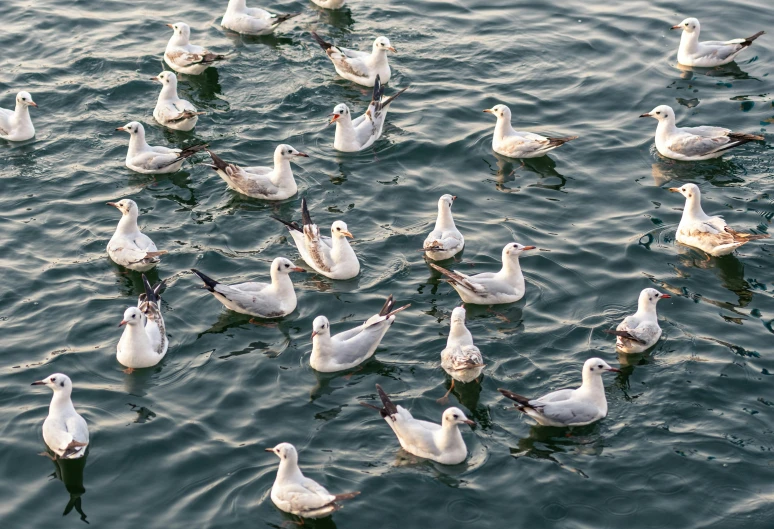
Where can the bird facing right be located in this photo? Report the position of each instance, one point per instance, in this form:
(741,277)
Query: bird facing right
(445,241)
(640,331)
(16,125)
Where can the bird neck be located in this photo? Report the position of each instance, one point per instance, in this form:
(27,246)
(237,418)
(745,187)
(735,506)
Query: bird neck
(646,309)
(693,209)
(288,471)
(168,92)
(281,283)
(340,248)
(503,127)
(128,224)
(378,56)
(689,42)
(177,40)
(451,436)
(135,335)
(592,385)
(511,271)
(459,335)
(282,170)
(445,221)
(665,126)
(22,113)
(61,402)
(345,131)
(321,345)
(137,142)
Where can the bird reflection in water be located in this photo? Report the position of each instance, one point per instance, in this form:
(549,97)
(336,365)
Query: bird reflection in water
(70,472)
(544,442)
(544,167)
(732,71)
(729,269)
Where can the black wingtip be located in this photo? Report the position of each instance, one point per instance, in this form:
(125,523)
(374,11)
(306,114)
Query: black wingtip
(284,18)
(749,40)
(389,408)
(208,281)
(324,45)
(378,89)
(217,160)
(387,306)
(151,294)
(393,97)
(524,401)
(306,218)
(291,225)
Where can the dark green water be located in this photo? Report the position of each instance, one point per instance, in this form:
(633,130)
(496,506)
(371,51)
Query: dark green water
(690,432)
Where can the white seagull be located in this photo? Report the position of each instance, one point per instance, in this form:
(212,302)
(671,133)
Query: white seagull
(516,144)
(709,53)
(251,21)
(358,66)
(441,443)
(145,159)
(445,241)
(262,300)
(354,135)
(329,4)
(129,247)
(299,495)
(569,407)
(693,143)
(708,233)
(266,183)
(64,431)
(331,256)
(640,331)
(16,125)
(171,111)
(488,288)
(353,347)
(144,340)
(184,57)
(460,358)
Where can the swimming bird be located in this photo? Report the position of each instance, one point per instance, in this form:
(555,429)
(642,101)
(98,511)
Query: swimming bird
(358,66)
(353,347)
(263,300)
(441,443)
(570,407)
(708,233)
(145,159)
(16,125)
(709,53)
(64,430)
(331,256)
(251,21)
(171,111)
(640,331)
(693,143)
(516,144)
(267,183)
(460,358)
(184,57)
(360,133)
(144,340)
(329,4)
(445,241)
(505,286)
(128,246)
(294,493)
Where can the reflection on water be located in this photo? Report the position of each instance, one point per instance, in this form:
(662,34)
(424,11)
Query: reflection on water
(329,383)
(719,172)
(291,521)
(729,270)
(544,167)
(544,442)
(730,70)
(70,472)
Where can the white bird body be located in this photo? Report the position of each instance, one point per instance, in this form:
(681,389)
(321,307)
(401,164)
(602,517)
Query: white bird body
(488,288)
(128,246)
(569,407)
(709,53)
(262,300)
(516,144)
(171,111)
(144,340)
(64,430)
(296,494)
(461,359)
(16,124)
(251,21)
(445,241)
(331,353)
(358,66)
(693,143)
(640,331)
(329,4)
(708,233)
(146,159)
(266,183)
(442,443)
(184,57)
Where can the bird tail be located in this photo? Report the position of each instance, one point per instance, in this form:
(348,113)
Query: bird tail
(389,408)
(306,218)
(556,142)
(737,139)
(187,153)
(387,306)
(209,283)
(626,335)
(393,97)
(345,496)
(749,40)
(745,237)
(279,19)
(523,402)
(220,165)
(454,277)
(324,45)
(152,293)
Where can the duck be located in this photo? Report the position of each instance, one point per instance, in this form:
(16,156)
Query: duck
(129,247)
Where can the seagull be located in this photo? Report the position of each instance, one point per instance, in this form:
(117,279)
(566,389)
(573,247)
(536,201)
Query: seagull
(262,300)
(353,347)
(145,159)
(251,21)
(710,53)
(358,66)
(461,359)
(329,4)
(516,144)
(570,407)
(708,233)
(445,241)
(640,331)
(693,143)
(360,133)
(144,340)
(16,125)
(331,256)
(295,494)
(129,247)
(267,183)
(442,443)
(184,57)
(505,286)
(171,111)
(64,431)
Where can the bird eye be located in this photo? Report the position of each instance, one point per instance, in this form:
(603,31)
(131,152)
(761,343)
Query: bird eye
(53,379)
(659,113)
(600,366)
(133,315)
(24,99)
(338,229)
(455,416)
(287,265)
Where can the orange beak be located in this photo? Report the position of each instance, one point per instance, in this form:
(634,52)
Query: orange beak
(123,322)
(297,269)
(334,117)
(674,189)
(154,78)
(393,50)
(529,248)
(120,128)
(665,296)
(33,104)
(488,110)
(676,27)
(347,234)
(314,333)
(645,115)
(112,204)
(170,26)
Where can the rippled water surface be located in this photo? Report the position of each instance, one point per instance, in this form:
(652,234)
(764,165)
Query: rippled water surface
(690,431)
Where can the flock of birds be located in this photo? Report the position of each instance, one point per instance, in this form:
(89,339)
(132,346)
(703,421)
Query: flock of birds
(144,343)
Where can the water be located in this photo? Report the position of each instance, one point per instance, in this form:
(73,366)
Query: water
(690,431)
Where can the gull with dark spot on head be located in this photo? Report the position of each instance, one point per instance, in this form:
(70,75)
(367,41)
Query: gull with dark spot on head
(16,125)
(64,430)
(517,144)
(709,53)
(129,247)
(184,57)
(360,67)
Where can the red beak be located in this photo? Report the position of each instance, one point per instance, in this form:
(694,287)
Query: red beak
(665,296)
(614,370)
(123,322)
(530,248)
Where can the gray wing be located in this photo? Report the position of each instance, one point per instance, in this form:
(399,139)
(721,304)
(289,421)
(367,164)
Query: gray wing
(554,396)
(570,411)
(693,145)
